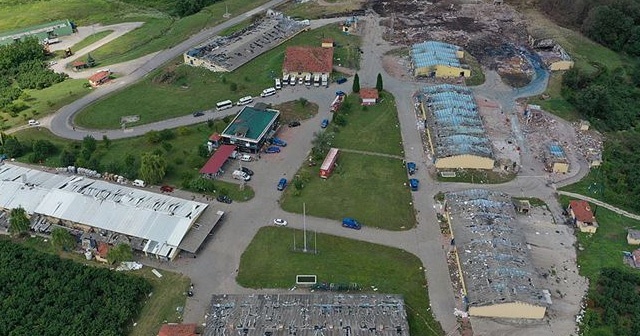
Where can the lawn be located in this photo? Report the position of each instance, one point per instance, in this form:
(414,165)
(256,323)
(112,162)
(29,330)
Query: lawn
(477,75)
(372,128)
(190,89)
(556,102)
(367,187)
(314,10)
(181,153)
(296,110)
(269,262)
(45,101)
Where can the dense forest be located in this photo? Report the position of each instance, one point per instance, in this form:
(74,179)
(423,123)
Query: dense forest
(23,66)
(41,294)
(614,302)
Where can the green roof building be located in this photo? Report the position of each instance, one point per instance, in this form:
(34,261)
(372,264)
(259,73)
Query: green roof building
(43,31)
(251,127)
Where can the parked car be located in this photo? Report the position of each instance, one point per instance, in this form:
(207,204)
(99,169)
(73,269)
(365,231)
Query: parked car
(33,122)
(282,184)
(246,158)
(198,114)
(294,123)
(340,93)
(240,175)
(414,183)
(280,222)
(411,168)
(247,171)
(224,199)
(341,80)
(272,149)
(166,188)
(351,223)
(278,142)
(325,123)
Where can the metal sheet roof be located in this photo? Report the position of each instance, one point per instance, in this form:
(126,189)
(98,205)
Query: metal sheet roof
(217,159)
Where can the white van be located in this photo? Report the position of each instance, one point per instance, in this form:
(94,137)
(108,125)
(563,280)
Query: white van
(223,105)
(138,183)
(293,80)
(285,79)
(316,80)
(325,80)
(245,100)
(268,92)
(307,80)
(278,85)
(240,175)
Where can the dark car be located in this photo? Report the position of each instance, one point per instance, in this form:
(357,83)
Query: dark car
(325,123)
(166,188)
(294,123)
(247,170)
(224,199)
(341,80)
(278,142)
(198,114)
(414,184)
(411,168)
(272,149)
(282,184)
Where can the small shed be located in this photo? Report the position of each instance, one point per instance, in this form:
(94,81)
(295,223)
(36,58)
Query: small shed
(79,65)
(99,78)
(633,237)
(582,216)
(369,96)
(327,43)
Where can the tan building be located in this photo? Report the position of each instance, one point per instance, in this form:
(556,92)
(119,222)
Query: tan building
(555,159)
(497,276)
(633,237)
(300,62)
(438,59)
(551,53)
(100,78)
(455,130)
(582,217)
(369,96)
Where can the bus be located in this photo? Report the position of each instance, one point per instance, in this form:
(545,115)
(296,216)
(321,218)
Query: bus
(223,105)
(329,163)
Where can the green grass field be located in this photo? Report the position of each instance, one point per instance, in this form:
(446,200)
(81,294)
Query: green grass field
(314,10)
(372,128)
(269,262)
(477,75)
(556,102)
(182,156)
(194,89)
(45,101)
(91,39)
(348,192)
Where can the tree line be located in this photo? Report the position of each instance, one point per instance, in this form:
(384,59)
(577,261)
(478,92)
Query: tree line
(23,66)
(42,294)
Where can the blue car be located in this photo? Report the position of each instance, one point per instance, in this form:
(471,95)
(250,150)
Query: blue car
(325,123)
(341,80)
(414,183)
(351,223)
(272,149)
(278,142)
(282,184)
(411,168)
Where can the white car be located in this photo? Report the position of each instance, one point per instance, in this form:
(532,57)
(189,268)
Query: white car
(280,222)
(33,122)
(246,158)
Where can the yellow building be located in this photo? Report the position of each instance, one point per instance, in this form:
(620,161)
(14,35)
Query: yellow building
(438,59)
(555,159)
(455,130)
(582,217)
(497,276)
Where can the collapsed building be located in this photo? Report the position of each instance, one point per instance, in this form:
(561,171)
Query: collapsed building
(555,159)
(306,315)
(438,59)
(498,276)
(455,129)
(227,53)
(551,53)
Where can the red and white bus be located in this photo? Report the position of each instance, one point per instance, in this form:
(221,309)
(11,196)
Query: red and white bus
(329,163)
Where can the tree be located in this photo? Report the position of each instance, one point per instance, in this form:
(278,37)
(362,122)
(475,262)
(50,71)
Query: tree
(62,239)
(18,221)
(89,143)
(12,147)
(379,86)
(153,167)
(90,61)
(67,158)
(356,84)
(118,253)
(106,141)
(153,137)
(42,149)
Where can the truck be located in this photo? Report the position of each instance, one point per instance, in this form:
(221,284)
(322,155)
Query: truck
(240,175)
(337,101)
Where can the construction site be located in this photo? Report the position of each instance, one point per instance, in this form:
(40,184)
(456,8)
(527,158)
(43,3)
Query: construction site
(508,258)
(306,315)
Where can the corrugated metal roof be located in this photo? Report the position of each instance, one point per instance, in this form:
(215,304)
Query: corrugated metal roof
(159,218)
(433,53)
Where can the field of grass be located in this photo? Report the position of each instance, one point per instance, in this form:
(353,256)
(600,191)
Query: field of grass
(45,101)
(556,102)
(477,75)
(314,10)
(296,110)
(193,89)
(91,39)
(181,153)
(348,192)
(269,262)
(372,128)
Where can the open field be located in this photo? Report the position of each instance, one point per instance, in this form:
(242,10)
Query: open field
(477,75)
(371,128)
(348,192)
(191,89)
(45,101)
(556,102)
(296,110)
(181,153)
(91,39)
(269,262)
(317,9)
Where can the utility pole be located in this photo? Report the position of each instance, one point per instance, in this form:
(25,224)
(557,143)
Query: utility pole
(304,226)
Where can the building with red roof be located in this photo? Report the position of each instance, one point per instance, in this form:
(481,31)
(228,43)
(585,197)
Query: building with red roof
(178,330)
(303,61)
(99,78)
(212,168)
(369,96)
(582,216)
